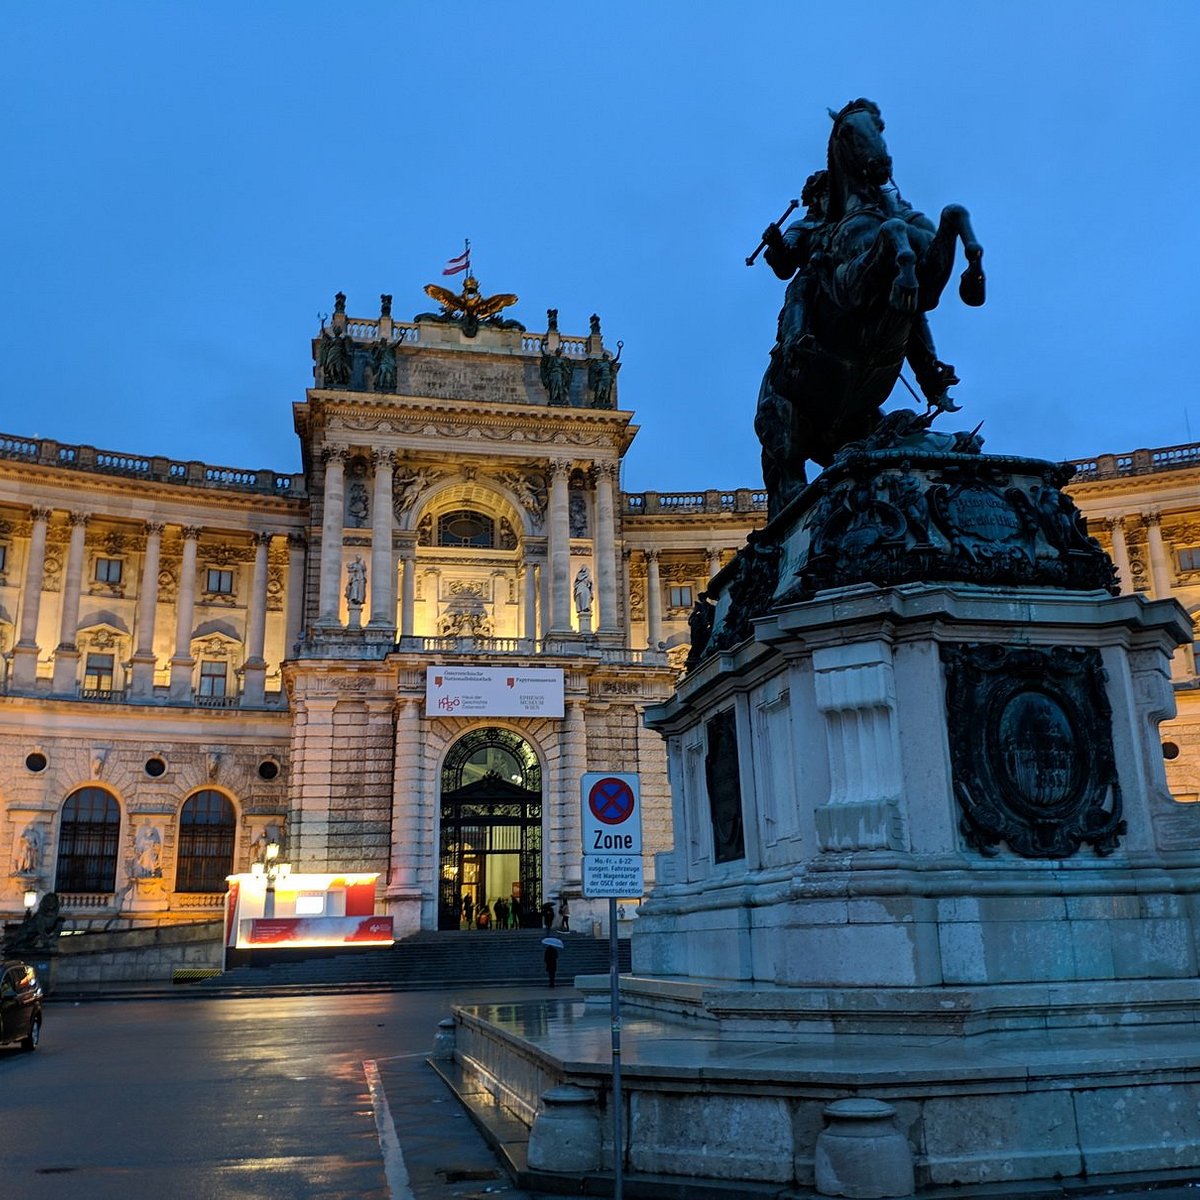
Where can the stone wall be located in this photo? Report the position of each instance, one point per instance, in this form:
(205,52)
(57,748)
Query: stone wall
(136,955)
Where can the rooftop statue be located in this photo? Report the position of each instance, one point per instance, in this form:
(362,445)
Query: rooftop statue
(864,268)
(469,308)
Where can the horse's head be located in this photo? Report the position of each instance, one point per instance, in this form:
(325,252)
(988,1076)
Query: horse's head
(857,152)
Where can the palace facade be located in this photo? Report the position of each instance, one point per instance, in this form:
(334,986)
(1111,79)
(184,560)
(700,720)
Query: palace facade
(199,660)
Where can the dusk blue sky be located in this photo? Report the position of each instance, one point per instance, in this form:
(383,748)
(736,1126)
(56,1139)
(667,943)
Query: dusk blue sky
(189,184)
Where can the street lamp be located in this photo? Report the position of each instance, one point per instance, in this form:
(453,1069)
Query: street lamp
(30,901)
(271,869)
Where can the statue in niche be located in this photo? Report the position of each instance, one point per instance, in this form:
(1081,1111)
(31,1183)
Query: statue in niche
(335,358)
(864,268)
(147,853)
(508,537)
(583,591)
(383,362)
(356,582)
(356,507)
(555,373)
(425,530)
(28,857)
(577,506)
(602,374)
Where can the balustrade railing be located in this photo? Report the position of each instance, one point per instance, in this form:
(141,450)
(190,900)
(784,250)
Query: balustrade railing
(47,452)
(1137,462)
(741,500)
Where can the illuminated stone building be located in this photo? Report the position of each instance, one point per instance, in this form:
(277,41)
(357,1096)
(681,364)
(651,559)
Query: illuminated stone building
(199,660)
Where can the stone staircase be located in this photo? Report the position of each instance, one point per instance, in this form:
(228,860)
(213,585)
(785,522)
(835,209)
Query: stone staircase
(432,960)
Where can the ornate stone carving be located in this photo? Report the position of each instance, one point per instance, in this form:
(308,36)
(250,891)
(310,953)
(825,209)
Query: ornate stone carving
(530,492)
(1031,748)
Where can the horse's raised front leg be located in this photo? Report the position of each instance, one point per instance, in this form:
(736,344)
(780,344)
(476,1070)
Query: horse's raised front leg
(886,268)
(905,285)
(938,260)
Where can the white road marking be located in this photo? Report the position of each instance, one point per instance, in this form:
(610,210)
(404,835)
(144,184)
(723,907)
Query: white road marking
(393,1160)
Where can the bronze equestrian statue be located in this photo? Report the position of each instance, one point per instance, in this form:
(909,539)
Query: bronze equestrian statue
(864,269)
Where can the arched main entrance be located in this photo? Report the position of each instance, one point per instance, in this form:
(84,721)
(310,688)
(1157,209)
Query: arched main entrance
(491,824)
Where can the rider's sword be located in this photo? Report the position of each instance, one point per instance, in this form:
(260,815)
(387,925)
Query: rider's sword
(791,208)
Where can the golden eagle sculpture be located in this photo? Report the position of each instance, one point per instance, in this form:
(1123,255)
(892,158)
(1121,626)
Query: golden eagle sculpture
(470,307)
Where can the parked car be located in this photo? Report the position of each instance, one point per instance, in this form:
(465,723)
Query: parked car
(20,1005)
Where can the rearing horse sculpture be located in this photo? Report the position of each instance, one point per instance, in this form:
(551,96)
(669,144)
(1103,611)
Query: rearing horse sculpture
(865,267)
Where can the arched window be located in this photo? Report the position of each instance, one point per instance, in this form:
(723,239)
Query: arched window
(465,527)
(87,842)
(206,830)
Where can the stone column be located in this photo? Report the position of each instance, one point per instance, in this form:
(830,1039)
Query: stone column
(383,565)
(529,628)
(570,817)
(544,598)
(329,608)
(254,669)
(714,560)
(560,547)
(143,660)
(295,593)
(25,652)
(406,801)
(1116,530)
(182,661)
(653,601)
(627,592)
(606,536)
(408,585)
(1183,660)
(66,654)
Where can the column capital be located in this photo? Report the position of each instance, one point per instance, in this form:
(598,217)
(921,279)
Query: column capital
(560,468)
(334,454)
(383,458)
(713,551)
(154,528)
(191,533)
(1113,524)
(1152,518)
(263,537)
(606,470)
(78,517)
(41,514)
(651,554)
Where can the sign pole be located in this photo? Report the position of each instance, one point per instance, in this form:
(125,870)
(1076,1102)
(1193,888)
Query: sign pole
(615,1003)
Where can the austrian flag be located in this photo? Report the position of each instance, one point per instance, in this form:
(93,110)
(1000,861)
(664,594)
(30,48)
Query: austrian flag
(461,263)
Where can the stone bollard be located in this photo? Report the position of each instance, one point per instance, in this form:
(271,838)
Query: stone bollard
(861,1154)
(444,1043)
(566,1132)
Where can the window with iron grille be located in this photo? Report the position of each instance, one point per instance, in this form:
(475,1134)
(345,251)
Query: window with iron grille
(98,673)
(108,570)
(220,582)
(681,597)
(87,842)
(212,677)
(206,832)
(464,527)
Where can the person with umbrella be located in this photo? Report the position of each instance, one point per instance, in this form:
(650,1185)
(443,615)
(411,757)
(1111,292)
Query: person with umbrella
(553,946)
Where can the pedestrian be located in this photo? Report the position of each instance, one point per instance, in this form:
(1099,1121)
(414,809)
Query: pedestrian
(500,910)
(469,909)
(564,914)
(551,957)
(548,916)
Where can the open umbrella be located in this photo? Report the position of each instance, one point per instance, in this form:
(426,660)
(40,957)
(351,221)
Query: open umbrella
(555,942)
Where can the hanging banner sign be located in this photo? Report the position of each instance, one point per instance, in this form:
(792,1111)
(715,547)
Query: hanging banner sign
(494,692)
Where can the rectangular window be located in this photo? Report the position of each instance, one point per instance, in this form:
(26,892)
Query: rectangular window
(108,570)
(220,582)
(1189,560)
(681,597)
(212,678)
(98,673)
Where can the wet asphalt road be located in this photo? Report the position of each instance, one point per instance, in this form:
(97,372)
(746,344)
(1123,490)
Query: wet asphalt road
(228,1099)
